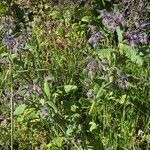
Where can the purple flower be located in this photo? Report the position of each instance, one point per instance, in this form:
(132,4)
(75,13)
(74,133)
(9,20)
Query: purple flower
(9,41)
(91,28)
(7,24)
(15,44)
(124,85)
(105,14)
(7,95)
(91,67)
(136,38)
(37,89)
(27,95)
(143,38)
(120,19)
(95,39)
(111,21)
(145,26)
(122,81)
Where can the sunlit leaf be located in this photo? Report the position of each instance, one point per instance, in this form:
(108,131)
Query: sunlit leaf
(69,88)
(20,109)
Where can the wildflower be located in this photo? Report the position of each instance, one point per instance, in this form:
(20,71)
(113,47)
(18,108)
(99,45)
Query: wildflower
(27,95)
(15,44)
(95,39)
(142,26)
(91,67)
(9,41)
(37,89)
(90,93)
(108,20)
(87,81)
(123,84)
(120,19)
(7,95)
(24,86)
(136,38)
(17,96)
(91,28)
(111,21)
(122,81)
(79,141)
(143,38)
(145,26)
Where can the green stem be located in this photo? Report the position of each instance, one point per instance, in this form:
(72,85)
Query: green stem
(11,99)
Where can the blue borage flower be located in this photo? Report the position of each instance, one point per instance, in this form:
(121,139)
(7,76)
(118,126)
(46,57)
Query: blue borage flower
(95,39)
(136,37)
(13,43)
(122,81)
(111,21)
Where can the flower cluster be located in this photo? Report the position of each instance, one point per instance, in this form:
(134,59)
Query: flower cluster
(111,21)
(91,66)
(15,44)
(7,96)
(122,80)
(136,37)
(96,38)
(91,28)
(36,88)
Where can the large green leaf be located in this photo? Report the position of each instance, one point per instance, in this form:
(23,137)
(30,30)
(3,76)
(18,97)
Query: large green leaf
(131,53)
(119,33)
(20,109)
(86,19)
(47,89)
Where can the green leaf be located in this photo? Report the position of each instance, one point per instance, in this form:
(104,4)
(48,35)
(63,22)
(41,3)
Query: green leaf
(86,19)
(56,15)
(119,33)
(28,47)
(53,106)
(56,143)
(93,126)
(123,99)
(131,54)
(47,89)
(42,101)
(3,9)
(20,109)
(69,88)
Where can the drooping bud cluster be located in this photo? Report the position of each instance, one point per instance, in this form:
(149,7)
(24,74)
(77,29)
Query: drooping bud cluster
(136,38)
(110,20)
(95,39)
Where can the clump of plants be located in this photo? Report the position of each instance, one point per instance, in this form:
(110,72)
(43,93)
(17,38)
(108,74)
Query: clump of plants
(74,75)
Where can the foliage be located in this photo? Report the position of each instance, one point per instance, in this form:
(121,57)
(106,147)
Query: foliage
(75,74)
